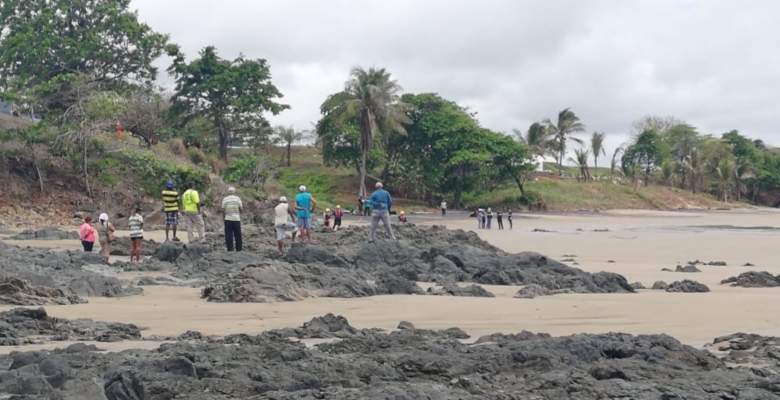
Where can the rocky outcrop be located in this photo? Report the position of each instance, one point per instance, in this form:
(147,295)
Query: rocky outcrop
(20,292)
(687,286)
(753,279)
(22,326)
(452,289)
(358,364)
(46,234)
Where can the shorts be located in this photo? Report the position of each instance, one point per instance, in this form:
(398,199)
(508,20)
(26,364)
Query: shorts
(304,223)
(281,230)
(133,239)
(171,217)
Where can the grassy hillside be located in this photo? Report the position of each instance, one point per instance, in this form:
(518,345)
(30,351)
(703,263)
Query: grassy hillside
(340,186)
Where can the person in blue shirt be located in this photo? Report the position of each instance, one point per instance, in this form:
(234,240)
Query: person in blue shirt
(304,205)
(367,207)
(381,203)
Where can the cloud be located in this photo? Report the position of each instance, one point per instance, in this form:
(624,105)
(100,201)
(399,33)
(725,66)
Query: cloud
(713,63)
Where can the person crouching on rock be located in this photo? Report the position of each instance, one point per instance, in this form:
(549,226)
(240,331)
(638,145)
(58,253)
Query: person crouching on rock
(326,216)
(282,224)
(337,218)
(136,226)
(87,234)
(402,217)
(106,235)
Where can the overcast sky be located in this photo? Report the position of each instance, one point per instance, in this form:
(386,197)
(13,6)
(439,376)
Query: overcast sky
(713,63)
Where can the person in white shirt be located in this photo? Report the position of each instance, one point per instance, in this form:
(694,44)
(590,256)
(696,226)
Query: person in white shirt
(283,225)
(231,213)
(443,207)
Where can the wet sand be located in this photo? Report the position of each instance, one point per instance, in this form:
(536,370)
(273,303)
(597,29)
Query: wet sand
(640,243)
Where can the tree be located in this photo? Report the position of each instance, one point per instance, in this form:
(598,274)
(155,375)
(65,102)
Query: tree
(373,98)
(597,148)
(647,153)
(289,136)
(613,165)
(341,139)
(538,139)
(567,124)
(655,123)
(35,138)
(581,160)
(724,172)
(223,91)
(144,114)
(43,41)
(667,172)
(695,166)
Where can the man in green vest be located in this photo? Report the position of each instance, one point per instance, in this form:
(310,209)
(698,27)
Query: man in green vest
(191,202)
(171,208)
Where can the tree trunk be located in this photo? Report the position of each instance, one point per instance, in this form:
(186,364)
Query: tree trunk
(37,169)
(223,140)
(693,183)
(456,198)
(289,154)
(363,174)
(519,186)
(596,167)
(86,174)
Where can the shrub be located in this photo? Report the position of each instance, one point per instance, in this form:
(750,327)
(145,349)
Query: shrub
(196,156)
(177,148)
(152,172)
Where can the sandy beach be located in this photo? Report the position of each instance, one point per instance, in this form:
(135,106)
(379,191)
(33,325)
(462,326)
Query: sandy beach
(636,244)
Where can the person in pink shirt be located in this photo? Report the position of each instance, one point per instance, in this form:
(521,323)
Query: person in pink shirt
(87,234)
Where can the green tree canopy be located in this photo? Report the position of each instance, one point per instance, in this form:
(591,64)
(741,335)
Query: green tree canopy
(45,44)
(648,153)
(223,91)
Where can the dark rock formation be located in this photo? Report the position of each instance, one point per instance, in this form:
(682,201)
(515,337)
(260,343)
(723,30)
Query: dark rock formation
(753,279)
(660,285)
(687,286)
(688,268)
(455,290)
(638,285)
(46,234)
(405,364)
(22,326)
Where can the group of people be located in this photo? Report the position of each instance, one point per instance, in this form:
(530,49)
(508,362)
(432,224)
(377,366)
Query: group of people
(296,219)
(103,233)
(485,218)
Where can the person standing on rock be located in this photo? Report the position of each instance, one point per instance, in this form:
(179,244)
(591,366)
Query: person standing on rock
(304,206)
(500,219)
(171,208)
(443,207)
(87,234)
(382,203)
(489,217)
(367,207)
(106,235)
(191,202)
(231,214)
(337,218)
(480,217)
(135,224)
(509,218)
(282,225)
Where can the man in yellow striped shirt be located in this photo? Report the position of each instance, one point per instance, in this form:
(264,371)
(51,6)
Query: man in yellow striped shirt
(171,208)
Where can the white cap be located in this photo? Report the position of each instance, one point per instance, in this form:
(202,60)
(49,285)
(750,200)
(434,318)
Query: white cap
(103,217)
(302,188)
(283,199)
(231,190)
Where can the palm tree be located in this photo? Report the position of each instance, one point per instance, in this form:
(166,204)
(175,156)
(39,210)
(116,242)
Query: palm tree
(724,172)
(613,165)
(744,170)
(567,124)
(537,139)
(581,159)
(694,164)
(373,98)
(289,136)
(630,172)
(597,148)
(667,172)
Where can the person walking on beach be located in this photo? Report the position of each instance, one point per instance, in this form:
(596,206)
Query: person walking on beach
(87,234)
(282,225)
(382,203)
(135,224)
(304,205)
(171,208)
(489,217)
(231,214)
(443,207)
(191,202)
(106,235)
(509,218)
(500,219)
(337,218)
